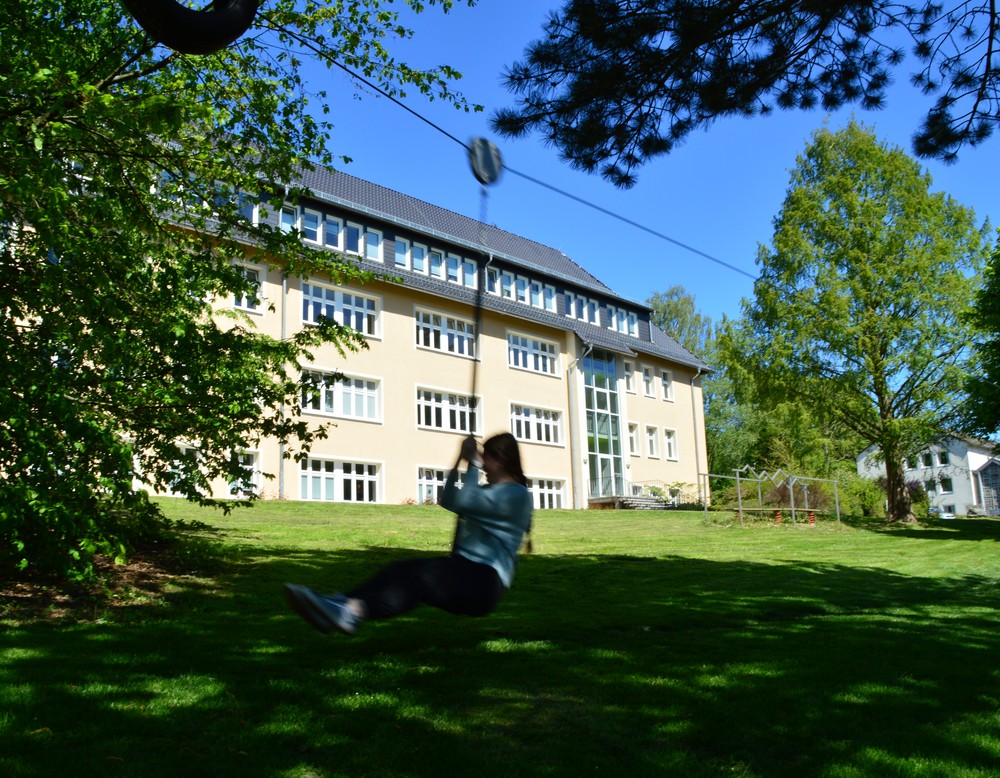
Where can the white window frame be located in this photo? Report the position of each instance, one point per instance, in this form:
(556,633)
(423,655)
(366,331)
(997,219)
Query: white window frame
(507,283)
(667,385)
(522,286)
(536,425)
(406,246)
(348,308)
(670,444)
(249,459)
(437,265)
(430,484)
(549,298)
(369,477)
(470,274)
(244,303)
(493,281)
(950,489)
(317,237)
(652,442)
(288,218)
(333,235)
(628,370)
(633,440)
(443,410)
(444,333)
(340,396)
(373,245)
(547,493)
(648,384)
(354,227)
(419,266)
(332,475)
(528,352)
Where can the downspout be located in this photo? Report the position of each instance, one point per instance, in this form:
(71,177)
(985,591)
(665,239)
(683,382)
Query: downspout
(576,456)
(697,451)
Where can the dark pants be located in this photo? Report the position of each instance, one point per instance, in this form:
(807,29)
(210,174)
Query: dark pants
(451,583)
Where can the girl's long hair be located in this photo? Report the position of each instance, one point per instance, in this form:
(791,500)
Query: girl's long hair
(504,449)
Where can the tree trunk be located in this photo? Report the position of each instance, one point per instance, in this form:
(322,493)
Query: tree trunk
(900,506)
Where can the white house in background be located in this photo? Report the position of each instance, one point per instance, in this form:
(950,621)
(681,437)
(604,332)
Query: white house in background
(961,474)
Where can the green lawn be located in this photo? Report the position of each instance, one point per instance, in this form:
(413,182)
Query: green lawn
(632,643)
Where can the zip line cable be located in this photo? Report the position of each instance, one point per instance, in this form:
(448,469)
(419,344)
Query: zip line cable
(550,187)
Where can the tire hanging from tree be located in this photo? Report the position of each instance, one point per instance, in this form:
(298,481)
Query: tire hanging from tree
(192,31)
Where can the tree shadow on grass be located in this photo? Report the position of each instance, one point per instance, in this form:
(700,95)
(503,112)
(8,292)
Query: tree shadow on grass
(611,664)
(974,529)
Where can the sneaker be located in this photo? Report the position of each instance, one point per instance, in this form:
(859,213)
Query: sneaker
(320,611)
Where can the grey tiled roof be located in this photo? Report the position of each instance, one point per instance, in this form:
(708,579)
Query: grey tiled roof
(336,188)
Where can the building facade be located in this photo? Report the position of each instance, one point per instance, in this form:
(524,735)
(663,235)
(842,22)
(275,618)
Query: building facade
(603,402)
(958,473)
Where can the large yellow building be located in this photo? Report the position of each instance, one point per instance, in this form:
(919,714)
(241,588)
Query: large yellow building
(604,403)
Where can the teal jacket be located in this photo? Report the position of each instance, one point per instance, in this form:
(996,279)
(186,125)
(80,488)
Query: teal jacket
(492,520)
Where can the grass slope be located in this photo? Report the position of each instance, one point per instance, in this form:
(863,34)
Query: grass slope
(632,643)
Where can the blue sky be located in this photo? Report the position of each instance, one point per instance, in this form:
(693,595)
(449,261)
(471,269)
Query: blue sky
(718,192)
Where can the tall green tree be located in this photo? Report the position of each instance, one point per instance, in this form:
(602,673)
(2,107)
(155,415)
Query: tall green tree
(860,309)
(128,175)
(677,314)
(981,414)
(615,83)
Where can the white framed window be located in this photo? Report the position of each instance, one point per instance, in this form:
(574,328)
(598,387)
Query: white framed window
(622,320)
(670,444)
(454,267)
(546,493)
(311,222)
(437,264)
(447,411)
(667,385)
(527,353)
(188,458)
(536,425)
(633,440)
(629,373)
(430,484)
(353,234)
(246,205)
(373,245)
(332,232)
(582,308)
(470,278)
(926,459)
(418,258)
(348,309)
(947,486)
(445,333)
(343,396)
(549,298)
(329,480)
(402,259)
(535,290)
(521,289)
(492,280)
(648,388)
(252,301)
(288,218)
(652,443)
(943,458)
(318,479)
(249,462)
(507,285)
(360,482)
